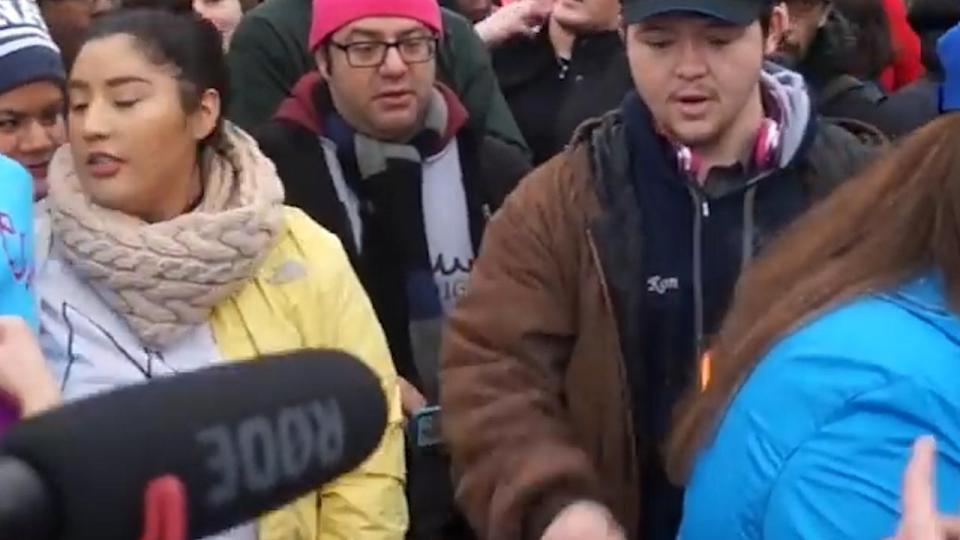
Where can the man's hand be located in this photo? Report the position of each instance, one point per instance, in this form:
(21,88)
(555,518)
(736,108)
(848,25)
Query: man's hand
(584,520)
(23,370)
(521,18)
(921,521)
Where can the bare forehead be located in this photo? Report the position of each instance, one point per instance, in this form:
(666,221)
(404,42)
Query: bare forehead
(114,60)
(382,28)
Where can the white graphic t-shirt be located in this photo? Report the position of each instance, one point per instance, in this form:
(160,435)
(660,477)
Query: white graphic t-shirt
(89,349)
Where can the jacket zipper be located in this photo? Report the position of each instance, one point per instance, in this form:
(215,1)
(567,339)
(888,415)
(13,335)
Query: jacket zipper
(701,211)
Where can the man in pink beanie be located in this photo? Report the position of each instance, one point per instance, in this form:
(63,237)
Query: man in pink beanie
(375,149)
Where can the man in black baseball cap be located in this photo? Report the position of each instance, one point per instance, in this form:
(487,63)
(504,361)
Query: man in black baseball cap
(605,274)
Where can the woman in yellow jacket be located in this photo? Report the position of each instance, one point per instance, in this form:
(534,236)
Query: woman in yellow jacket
(172,250)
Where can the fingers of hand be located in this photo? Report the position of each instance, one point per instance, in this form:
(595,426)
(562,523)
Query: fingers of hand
(920,518)
(918,480)
(534,14)
(951,527)
(411,398)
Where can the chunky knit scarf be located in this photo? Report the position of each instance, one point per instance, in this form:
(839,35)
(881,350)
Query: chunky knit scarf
(165,278)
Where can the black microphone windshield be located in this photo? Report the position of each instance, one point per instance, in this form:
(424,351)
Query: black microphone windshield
(244,438)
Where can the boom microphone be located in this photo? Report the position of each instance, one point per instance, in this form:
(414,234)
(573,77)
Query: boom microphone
(244,439)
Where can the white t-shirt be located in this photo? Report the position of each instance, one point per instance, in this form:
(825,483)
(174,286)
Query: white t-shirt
(90,349)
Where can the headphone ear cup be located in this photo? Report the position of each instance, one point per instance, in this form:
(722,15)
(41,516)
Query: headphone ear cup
(766,148)
(766,145)
(686,159)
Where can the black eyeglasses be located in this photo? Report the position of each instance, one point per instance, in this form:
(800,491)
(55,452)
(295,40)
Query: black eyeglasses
(363,54)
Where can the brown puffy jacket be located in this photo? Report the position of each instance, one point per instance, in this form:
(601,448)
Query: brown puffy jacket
(537,405)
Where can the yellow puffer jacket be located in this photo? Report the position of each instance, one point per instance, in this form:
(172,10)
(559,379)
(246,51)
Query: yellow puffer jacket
(306,295)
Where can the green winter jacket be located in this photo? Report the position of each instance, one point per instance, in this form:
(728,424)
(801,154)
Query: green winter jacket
(268,55)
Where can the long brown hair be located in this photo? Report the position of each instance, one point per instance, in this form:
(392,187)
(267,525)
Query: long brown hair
(898,218)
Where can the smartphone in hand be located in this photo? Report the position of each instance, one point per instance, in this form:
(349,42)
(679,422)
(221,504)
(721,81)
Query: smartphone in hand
(424,428)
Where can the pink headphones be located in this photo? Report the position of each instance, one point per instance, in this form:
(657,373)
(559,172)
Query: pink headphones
(765,150)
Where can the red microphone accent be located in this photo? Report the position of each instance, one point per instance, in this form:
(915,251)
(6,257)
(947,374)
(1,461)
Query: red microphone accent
(165,515)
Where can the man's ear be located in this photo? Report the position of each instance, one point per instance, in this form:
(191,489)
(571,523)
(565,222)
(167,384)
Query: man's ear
(322,58)
(826,15)
(779,22)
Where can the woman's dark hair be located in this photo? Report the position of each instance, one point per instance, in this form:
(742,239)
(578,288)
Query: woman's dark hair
(874,44)
(171,34)
(896,220)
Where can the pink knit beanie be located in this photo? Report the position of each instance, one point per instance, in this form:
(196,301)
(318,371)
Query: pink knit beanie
(332,15)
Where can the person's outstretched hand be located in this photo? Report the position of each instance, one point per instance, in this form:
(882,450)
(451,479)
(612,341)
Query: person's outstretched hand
(921,520)
(521,18)
(584,520)
(948,49)
(23,371)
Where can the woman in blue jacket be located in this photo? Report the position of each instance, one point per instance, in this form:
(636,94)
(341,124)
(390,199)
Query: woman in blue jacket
(841,348)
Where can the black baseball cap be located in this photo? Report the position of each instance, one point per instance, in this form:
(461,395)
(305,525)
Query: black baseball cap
(739,12)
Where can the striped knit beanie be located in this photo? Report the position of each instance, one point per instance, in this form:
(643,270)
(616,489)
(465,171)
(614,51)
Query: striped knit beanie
(27,53)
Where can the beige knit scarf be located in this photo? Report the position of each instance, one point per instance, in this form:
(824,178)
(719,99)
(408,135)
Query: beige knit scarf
(165,278)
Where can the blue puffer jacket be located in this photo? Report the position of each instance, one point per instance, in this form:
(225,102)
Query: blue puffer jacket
(815,443)
(16,242)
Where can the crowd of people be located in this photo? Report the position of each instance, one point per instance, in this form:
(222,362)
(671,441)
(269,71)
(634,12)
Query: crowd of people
(660,268)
